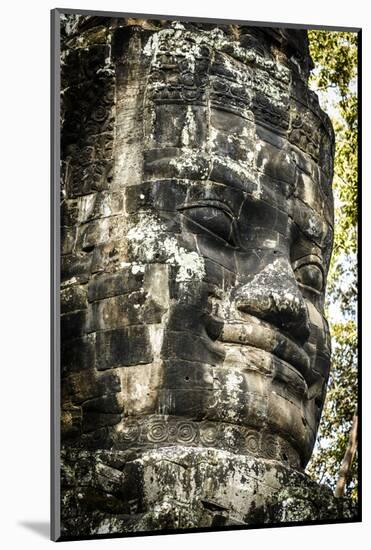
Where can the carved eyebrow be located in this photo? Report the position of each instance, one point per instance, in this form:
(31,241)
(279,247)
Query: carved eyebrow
(208,203)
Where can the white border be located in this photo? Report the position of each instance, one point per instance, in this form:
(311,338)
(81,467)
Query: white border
(26,263)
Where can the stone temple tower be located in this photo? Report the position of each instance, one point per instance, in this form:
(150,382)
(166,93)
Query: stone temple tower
(197,227)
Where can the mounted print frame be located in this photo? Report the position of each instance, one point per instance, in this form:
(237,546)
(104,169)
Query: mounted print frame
(205,190)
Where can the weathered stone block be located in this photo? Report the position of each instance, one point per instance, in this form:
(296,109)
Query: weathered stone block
(125,346)
(100,205)
(73,298)
(124,310)
(91,421)
(113,284)
(213,488)
(73,324)
(188,346)
(70,420)
(276,163)
(107,404)
(110,256)
(178,374)
(70,213)
(78,354)
(89,384)
(75,268)
(68,238)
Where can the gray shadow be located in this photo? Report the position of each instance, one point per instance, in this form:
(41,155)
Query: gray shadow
(42,528)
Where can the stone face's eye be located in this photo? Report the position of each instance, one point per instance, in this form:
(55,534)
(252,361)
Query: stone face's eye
(310,275)
(213,219)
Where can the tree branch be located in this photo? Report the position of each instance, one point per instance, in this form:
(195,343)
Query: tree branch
(348,459)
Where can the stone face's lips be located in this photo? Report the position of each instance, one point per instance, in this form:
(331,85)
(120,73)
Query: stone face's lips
(263,336)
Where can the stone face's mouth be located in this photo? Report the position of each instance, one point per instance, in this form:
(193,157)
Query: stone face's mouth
(261,335)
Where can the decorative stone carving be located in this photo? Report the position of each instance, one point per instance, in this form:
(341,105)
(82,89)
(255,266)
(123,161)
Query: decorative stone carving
(197,224)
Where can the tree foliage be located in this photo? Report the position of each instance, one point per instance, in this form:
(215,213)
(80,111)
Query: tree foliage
(334,78)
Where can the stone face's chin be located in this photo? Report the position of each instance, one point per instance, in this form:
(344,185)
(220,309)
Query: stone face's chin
(276,385)
(218,383)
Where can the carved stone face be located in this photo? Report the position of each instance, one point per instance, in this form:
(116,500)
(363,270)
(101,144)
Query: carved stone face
(217,335)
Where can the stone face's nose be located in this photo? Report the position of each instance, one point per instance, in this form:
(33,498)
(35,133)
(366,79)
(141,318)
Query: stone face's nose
(273,295)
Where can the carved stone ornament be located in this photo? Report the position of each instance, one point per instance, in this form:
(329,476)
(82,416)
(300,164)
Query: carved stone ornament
(197,229)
